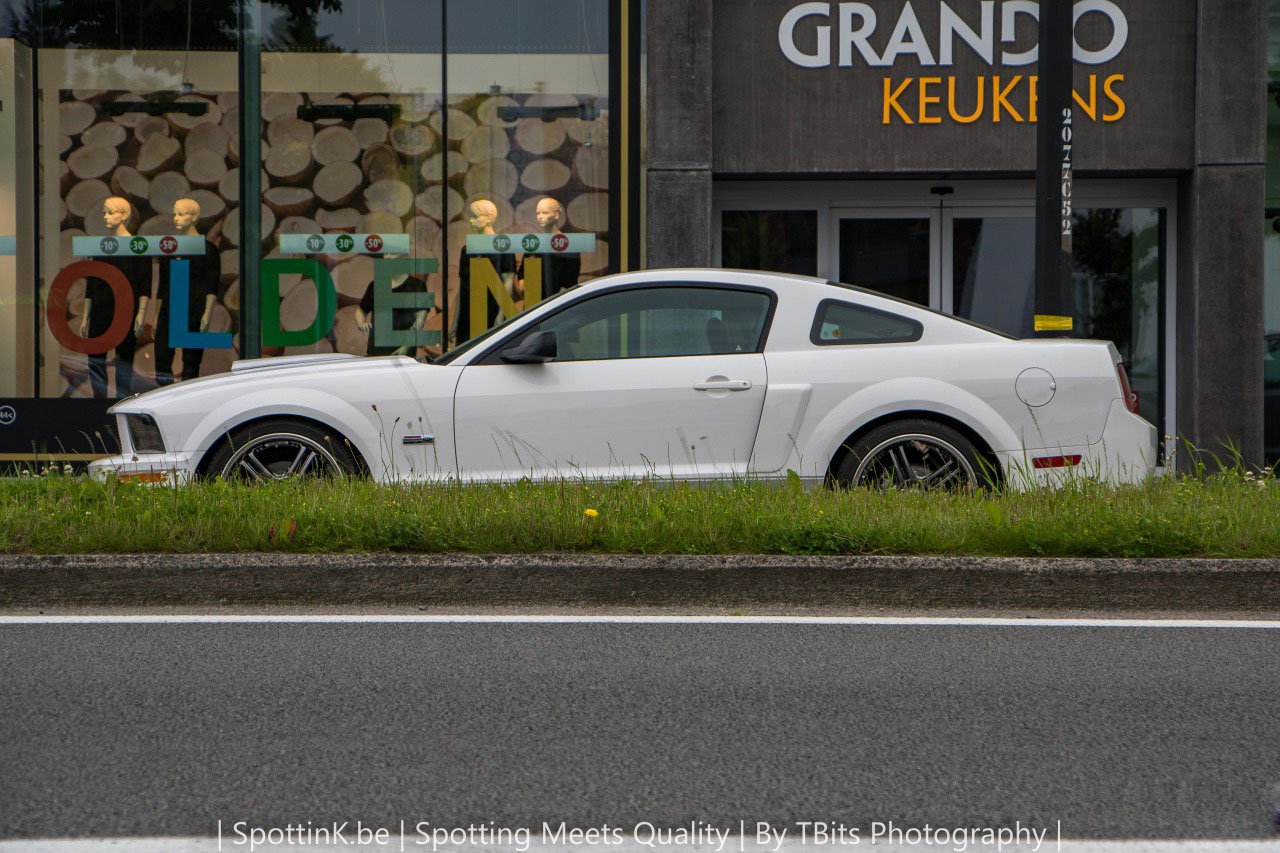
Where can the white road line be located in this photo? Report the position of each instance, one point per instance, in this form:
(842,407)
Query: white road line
(210,845)
(552,619)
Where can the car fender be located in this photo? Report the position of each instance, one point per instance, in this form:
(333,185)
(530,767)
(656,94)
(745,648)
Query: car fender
(313,404)
(914,394)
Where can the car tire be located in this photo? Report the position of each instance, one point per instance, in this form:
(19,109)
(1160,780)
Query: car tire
(281,449)
(913,453)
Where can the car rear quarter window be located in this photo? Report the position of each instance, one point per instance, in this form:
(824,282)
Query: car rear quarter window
(839,323)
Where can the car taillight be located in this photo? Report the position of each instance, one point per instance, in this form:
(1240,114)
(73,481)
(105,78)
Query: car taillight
(1130,396)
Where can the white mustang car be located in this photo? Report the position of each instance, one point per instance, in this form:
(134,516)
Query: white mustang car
(675,374)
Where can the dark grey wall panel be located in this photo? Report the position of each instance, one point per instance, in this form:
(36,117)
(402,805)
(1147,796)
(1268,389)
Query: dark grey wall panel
(772,116)
(1231,82)
(679,98)
(679,218)
(1220,310)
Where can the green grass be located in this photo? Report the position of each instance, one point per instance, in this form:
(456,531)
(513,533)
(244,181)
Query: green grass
(1225,515)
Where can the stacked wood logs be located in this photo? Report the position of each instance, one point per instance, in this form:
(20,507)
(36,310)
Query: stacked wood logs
(390,174)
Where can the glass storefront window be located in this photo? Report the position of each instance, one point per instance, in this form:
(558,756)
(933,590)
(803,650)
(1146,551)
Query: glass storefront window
(353,179)
(1119,267)
(17,237)
(527,194)
(780,240)
(993,271)
(391,133)
(888,255)
(137,198)
(1271,247)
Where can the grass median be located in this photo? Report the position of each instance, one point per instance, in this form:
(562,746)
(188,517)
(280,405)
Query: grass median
(1225,515)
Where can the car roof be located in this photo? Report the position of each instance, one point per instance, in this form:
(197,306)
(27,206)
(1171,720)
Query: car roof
(817,286)
(701,274)
(769,278)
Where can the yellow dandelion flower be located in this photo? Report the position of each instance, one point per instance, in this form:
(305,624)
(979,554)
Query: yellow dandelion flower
(590,513)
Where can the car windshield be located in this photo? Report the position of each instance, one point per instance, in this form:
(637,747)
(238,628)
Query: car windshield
(467,346)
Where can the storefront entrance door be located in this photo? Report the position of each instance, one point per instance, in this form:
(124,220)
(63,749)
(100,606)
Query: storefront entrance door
(890,250)
(976,262)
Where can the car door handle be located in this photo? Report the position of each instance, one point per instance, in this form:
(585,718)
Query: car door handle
(723,385)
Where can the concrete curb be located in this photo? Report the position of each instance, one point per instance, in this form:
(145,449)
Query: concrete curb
(567,580)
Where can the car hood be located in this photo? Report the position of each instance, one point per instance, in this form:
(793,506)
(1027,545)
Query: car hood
(253,373)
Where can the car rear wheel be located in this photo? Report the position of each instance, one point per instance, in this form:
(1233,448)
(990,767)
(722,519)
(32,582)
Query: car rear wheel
(281,450)
(912,454)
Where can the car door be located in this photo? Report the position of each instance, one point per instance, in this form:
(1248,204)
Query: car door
(661,380)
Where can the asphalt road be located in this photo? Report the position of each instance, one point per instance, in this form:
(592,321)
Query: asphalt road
(162,730)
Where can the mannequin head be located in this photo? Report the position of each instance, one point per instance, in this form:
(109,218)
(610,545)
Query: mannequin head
(549,214)
(116,213)
(185,213)
(484,214)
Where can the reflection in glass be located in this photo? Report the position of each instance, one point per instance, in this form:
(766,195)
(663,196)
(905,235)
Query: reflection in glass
(351,101)
(528,133)
(17,238)
(1271,246)
(777,240)
(1271,302)
(890,256)
(1118,267)
(993,272)
(138,113)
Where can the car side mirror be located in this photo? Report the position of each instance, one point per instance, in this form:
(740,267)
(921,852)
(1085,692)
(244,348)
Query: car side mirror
(537,348)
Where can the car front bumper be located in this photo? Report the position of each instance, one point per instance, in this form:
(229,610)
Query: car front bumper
(165,469)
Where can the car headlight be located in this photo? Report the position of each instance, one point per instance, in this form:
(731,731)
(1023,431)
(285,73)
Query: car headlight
(144,434)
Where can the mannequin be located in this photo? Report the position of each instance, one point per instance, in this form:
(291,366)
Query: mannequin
(484,215)
(560,271)
(203,277)
(402,318)
(99,303)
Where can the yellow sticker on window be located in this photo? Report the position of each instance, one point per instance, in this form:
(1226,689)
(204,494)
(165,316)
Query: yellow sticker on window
(1052,323)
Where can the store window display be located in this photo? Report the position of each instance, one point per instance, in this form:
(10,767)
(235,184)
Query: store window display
(198,276)
(371,137)
(358,138)
(474,270)
(100,309)
(402,318)
(560,271)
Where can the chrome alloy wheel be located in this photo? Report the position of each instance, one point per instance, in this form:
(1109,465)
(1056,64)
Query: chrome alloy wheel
(281,456)
(916,461)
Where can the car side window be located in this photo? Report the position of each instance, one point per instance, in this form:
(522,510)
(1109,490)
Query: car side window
(656,322)
(837,323)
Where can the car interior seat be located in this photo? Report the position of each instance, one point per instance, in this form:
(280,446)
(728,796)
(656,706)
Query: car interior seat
(718,336)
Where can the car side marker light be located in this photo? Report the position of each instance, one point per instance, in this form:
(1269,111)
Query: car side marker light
(1055,461)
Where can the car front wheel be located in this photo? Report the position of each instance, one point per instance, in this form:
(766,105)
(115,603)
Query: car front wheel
(280,449)
(912,454)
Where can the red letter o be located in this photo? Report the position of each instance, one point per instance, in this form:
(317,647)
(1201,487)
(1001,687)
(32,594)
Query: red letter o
(56,313)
